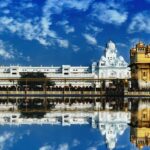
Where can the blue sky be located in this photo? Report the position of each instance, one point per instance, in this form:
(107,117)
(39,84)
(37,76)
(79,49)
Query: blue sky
(56,137)
(54,32)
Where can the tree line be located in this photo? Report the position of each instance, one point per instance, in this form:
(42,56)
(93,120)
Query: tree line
(42,82)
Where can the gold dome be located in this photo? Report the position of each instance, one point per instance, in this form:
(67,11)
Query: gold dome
(140,44)
(133,50)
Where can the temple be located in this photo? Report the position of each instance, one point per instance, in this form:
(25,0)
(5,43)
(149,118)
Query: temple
(110,66)
(140,66)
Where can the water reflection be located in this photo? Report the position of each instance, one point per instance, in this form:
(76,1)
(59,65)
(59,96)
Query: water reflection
(140,124)
(110,117)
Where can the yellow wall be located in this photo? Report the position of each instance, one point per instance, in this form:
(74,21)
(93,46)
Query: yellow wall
(140,63)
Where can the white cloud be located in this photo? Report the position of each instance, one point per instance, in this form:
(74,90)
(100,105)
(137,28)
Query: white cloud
(39,27)
(80,5)
(110,12)
(63,22)
(63,146)
(101,47)
(75,143)
(4,52)
(90,39)
(63,43)
(92,148)
(75,48)
(140,23)
(69,29)
(93,28)
(66,26)
(36,28)
(46,147)
(121,44)
(57,6)
(6,137)
(5,3)
(8,52)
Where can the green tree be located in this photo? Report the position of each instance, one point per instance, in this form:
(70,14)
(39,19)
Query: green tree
(34,79)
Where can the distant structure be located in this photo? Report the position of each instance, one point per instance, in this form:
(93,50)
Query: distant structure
(109,67)
(140,66)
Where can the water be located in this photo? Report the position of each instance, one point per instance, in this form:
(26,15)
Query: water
(74,124)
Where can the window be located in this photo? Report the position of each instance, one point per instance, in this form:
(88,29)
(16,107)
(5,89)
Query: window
(66,69)
(144,116)
(14,73)
(141,49)
(144,74)
(75,69)
(65,73)
(24,70)
(102,64)
(102,126)
(14,116)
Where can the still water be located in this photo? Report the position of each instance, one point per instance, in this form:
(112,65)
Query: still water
(74,124)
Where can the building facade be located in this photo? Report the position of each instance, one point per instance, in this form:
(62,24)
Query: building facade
(110,66)
(140,66)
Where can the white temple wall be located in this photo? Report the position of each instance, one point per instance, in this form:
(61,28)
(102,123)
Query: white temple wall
(110,66)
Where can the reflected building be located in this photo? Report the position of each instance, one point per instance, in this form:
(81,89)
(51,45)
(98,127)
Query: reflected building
(110,124)
(140,130)
(140,136)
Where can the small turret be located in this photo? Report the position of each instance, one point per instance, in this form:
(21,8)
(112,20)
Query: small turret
(140,46)
(132,51)
(147,49)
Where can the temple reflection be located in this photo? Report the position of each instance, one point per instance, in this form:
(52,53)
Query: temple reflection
(140,125)
(111,116)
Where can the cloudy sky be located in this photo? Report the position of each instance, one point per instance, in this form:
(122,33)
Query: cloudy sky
(56,32)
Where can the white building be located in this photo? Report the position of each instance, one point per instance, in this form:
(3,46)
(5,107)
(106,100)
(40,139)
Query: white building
(110,66)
